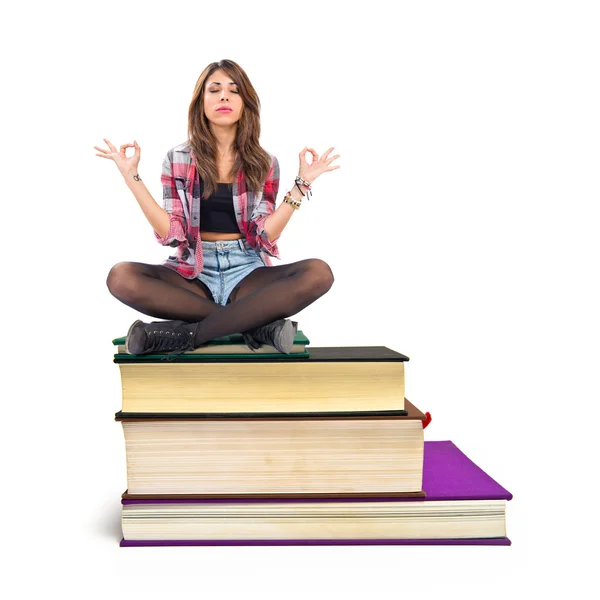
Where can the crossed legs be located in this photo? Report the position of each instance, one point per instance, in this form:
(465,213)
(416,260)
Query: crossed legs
(263,296)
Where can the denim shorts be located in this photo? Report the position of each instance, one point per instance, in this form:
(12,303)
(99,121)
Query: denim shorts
(226,263)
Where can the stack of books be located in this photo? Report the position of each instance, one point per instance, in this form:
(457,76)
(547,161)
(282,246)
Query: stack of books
(226,446)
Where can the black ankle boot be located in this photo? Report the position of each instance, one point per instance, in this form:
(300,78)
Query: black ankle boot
(280,334)
(161,336)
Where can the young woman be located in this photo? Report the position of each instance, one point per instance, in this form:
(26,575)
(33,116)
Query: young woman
(219,192)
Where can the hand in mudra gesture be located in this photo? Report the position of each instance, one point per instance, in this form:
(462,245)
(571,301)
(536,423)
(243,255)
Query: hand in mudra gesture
(125,163)
(318,166)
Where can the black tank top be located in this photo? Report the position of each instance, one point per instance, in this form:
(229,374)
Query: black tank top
(216,212)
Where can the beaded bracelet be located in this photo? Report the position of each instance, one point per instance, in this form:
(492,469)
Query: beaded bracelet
(289,200)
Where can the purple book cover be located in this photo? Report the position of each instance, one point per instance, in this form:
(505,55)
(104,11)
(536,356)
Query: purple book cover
(448,474)
(361,542)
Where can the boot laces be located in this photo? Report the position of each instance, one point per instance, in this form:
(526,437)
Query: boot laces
(177,340)
(266,333)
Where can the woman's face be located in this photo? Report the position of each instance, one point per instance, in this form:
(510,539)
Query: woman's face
(221,92)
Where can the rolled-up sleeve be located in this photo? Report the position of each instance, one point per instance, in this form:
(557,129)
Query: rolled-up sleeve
(172,203)
(264,208)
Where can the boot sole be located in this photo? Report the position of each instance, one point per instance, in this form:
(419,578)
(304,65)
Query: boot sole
(286,337)
(128,334)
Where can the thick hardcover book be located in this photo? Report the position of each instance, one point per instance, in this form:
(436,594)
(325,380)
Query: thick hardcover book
(460,499)
(336,380)
(412,414)
(231,456)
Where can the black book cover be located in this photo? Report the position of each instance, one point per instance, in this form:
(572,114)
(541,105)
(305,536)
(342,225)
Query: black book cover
(317,354)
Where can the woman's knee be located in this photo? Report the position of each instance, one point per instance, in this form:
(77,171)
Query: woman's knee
(122,280)
(320,275)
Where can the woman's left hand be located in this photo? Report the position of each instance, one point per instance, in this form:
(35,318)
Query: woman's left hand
(318,166)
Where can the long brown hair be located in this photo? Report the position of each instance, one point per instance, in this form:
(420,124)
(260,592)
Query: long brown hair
(250,157)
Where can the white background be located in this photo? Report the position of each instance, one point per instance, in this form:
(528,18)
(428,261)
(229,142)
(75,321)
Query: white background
(462,230)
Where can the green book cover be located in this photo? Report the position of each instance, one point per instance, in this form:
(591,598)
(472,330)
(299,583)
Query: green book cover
(234,338)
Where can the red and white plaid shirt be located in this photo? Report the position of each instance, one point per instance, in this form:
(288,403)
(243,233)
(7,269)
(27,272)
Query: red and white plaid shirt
(181,199)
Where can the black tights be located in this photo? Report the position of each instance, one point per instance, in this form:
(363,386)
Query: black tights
(263,296)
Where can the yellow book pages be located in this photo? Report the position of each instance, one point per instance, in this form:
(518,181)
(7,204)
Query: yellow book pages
(281,386)
(252,456)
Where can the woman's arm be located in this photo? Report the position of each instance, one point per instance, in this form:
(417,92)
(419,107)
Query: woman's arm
(168,222)
(275,223)
(176,226)
(266,223)
(157,217)
(263,210)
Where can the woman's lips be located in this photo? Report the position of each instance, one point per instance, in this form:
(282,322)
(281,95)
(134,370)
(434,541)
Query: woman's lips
(225,110)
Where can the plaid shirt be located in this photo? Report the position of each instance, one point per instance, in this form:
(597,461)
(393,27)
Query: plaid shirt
(181,199)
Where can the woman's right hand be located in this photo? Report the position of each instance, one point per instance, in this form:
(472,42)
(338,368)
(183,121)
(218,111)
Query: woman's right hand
(125,164)
(318,166)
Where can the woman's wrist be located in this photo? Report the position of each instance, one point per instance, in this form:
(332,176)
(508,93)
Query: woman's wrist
(296,194)
(300,189)
(303,186)
(131,175)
